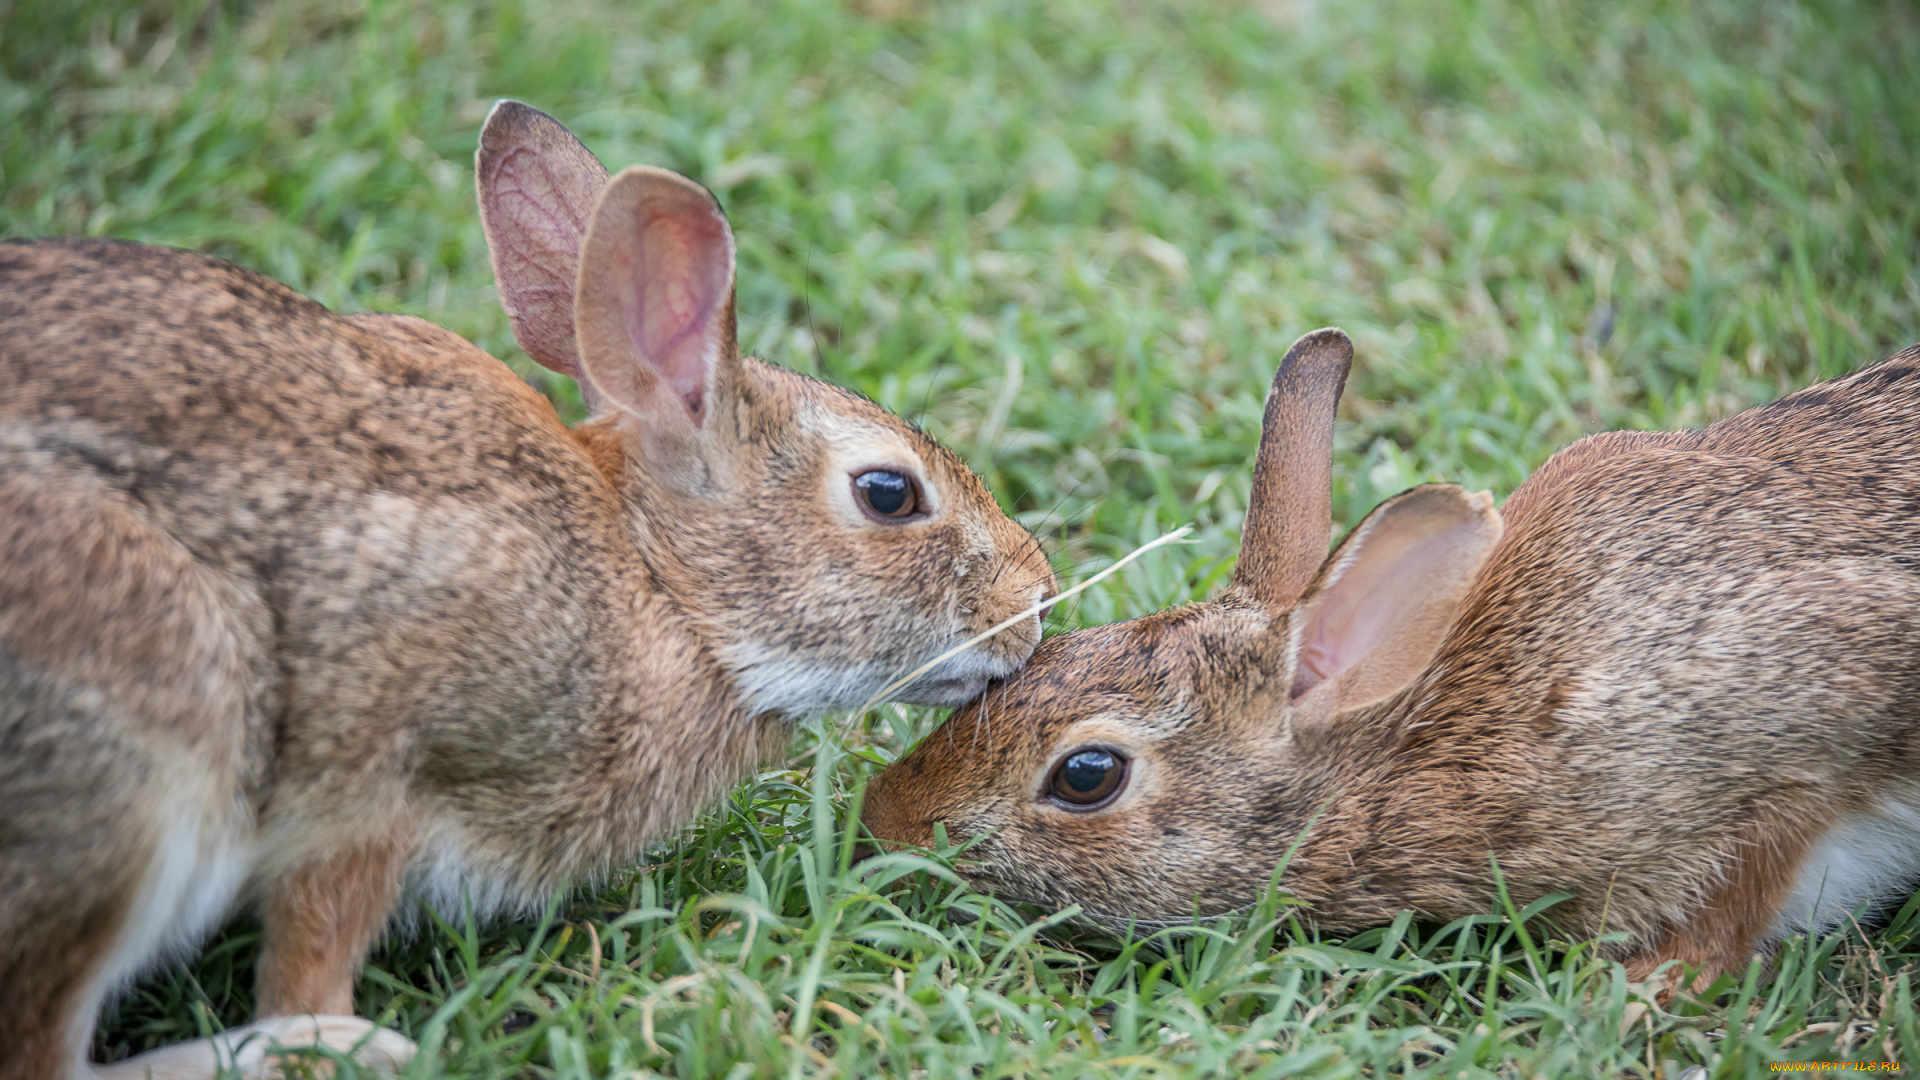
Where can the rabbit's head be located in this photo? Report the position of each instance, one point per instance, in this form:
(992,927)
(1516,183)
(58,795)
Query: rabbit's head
(1156,769)
(824,546)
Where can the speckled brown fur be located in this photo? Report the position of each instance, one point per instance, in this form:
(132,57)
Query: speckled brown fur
(298,606)
(1690,657)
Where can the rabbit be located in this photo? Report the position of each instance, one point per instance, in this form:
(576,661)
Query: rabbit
(302,609)
(1679,678)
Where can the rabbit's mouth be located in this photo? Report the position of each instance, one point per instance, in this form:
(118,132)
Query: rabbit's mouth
(944,693)
(958,680)
(772,680)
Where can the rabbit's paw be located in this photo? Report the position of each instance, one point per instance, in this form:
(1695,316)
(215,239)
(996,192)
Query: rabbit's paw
(270,1050)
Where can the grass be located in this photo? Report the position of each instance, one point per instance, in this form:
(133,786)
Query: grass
(1074,239)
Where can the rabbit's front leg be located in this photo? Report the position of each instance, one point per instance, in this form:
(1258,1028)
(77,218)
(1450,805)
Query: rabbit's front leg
(319,921)
(1743,894)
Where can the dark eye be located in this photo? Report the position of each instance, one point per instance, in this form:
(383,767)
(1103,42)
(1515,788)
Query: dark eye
(888,494)
(1087,778)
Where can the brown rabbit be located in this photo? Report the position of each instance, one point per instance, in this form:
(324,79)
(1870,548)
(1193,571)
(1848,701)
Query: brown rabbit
(299,607)
(1684,686)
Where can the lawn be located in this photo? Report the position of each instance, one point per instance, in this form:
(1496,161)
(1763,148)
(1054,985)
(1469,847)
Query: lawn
(1073,240)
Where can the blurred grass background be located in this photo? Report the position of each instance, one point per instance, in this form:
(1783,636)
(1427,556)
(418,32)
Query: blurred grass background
(1074,239)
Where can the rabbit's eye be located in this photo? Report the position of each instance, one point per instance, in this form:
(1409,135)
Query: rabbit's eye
(1088,778)
(887,494)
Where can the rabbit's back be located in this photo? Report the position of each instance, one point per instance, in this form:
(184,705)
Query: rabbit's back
(390,516)
(226,397)
(1861,424)
(1654,544)
(1858,433)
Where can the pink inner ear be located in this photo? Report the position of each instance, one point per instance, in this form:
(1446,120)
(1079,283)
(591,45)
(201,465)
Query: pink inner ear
(1358,610)
(1317,664)
(680,285)
(1397,583)
(1351,620)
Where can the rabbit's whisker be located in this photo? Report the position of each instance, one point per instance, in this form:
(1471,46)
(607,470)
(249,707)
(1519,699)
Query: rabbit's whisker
(986,721)
(806,304)
(933,380)
(1176,536)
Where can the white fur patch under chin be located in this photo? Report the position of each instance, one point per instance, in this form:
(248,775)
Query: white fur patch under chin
(1867,860)
(770,681)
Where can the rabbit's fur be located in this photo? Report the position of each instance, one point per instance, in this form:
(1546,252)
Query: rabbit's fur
(1685,687)
(301,608)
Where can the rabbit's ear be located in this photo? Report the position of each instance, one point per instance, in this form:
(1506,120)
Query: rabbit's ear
(1386,598)
(655,312)
(537,188)
(1290,514)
